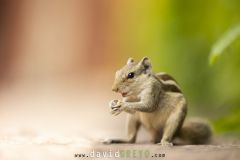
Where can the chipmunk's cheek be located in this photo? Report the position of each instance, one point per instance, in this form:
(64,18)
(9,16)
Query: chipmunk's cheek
(126,89)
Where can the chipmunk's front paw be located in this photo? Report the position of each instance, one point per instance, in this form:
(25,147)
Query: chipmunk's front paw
(116,106)
(116,111)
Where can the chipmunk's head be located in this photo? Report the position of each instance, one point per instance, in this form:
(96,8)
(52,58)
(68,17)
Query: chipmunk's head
(131,77)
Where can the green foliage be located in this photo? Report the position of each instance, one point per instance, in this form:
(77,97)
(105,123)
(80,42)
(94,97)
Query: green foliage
(227,39)
(227,123)
(177,36)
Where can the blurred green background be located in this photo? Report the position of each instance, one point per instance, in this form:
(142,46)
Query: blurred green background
(178,37)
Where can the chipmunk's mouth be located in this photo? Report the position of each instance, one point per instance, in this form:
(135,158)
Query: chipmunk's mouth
(124,94)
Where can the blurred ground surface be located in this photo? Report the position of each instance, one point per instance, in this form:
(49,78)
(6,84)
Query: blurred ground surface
(62,148)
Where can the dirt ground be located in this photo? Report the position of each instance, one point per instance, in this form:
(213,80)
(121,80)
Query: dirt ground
(66,148)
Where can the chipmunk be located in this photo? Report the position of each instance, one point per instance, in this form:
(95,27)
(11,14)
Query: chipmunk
(156,102)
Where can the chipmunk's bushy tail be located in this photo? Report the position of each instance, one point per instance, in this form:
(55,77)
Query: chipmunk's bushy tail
(195,131)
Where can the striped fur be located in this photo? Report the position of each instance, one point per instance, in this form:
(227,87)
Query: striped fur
(170,84)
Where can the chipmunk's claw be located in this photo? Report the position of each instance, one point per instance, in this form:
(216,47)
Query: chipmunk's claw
(116,112)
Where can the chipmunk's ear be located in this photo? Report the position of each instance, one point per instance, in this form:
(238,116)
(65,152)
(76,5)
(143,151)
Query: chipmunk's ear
(130,61)
(145,64)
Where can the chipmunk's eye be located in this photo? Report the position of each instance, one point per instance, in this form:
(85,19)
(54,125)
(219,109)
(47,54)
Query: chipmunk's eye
(130,75)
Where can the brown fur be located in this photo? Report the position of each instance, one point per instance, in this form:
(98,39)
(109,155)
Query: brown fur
(156,102)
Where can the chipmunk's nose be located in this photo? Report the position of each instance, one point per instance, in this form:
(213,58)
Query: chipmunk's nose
(114,89)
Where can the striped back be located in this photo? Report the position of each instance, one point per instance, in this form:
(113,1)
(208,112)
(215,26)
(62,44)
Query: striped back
(169,83)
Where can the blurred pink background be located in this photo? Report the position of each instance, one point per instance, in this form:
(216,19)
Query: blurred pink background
(57,64)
